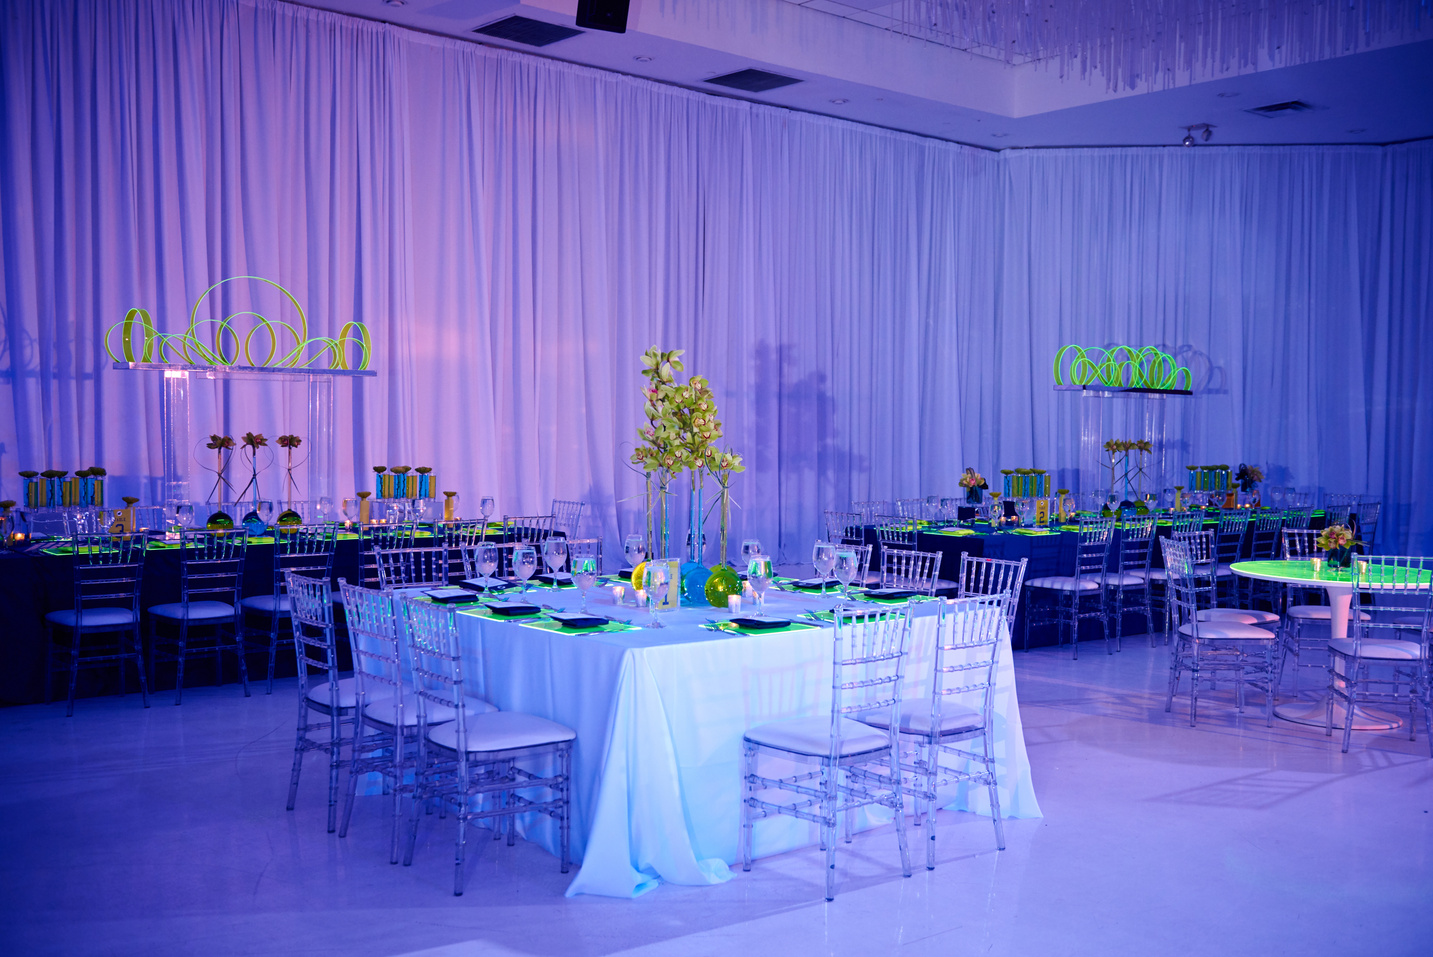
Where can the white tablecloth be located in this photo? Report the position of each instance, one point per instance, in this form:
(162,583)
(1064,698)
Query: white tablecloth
(659,716)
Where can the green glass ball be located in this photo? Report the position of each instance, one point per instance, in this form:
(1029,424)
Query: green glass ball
(721,585)
(219,520)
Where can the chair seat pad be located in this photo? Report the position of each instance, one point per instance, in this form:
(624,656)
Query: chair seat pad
(502,731)
(1064,583)
(194,611)
(347,693)
(384,710)
(812,736)
(1317,613)
(267,604)
(1242,615)
(916,717)
(93,617)
(1228,631)
(1154,574)
(1380,649)
(1127,579)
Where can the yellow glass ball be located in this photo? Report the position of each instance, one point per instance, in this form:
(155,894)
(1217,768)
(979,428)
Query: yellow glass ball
(637,575)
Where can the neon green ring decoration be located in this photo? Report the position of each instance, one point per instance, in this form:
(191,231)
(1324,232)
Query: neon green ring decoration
(1120,367)
(228,346)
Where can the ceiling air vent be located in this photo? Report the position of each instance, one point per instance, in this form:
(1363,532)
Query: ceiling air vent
(1281,109)
(753,81)
(534,33)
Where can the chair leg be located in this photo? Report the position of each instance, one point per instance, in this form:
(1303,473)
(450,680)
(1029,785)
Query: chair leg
(273,648)
(335,761)
(1350,683)
(298,754)
(929,787)
(462,817)
(139,665)
(748,792)
(899,802)
(565,807)
(183,644)
(76,635)
(243,663)
(352,789)
(828,827)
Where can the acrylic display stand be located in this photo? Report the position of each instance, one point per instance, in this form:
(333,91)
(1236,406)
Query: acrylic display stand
(175,419)
(1108,413)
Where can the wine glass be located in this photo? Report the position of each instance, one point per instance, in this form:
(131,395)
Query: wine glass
(635,548)
(420,508)
(823,557)
(1023,508)
(350,510)
(554,553)
(487,556)
(758,574)
(524,560)
(845,569)
(749,548)
(486,505)
(584,574)
(184,514)
(266,513)
(656,582)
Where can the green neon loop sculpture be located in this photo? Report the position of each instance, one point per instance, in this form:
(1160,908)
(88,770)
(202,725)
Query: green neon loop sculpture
(1120,367)
(228,346)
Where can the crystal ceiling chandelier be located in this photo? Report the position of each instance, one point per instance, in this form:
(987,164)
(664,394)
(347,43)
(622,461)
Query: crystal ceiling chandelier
(1157,43)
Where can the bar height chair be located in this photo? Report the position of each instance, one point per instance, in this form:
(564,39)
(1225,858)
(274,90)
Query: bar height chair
(206,620)
(108,570)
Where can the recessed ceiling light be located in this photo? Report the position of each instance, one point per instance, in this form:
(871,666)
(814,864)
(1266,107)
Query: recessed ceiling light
(1225,96)
(839,100)
(1358,130)
(642,59)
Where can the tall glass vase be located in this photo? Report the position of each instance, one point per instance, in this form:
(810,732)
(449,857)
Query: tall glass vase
(696,540)
(725,495)
(659,527)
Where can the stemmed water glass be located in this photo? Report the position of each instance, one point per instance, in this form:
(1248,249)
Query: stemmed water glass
(487,563)
(823,557)
(266,513)
(584,574)
(554,554)
(845,569)
(749,549)
(656,582)
(758,574)
(635,548)
(486,505)
(524,560)
(1023,507)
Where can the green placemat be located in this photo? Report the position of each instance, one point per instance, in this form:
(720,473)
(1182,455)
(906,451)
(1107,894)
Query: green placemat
(547,625)
(163,546)
(69,550)
(1034,531)
(954,532)
(347,536)
(731,629)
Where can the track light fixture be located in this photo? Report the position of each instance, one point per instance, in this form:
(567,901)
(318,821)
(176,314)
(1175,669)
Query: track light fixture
(1206,131)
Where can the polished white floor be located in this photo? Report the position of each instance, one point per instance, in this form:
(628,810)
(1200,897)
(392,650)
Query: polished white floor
(125,831)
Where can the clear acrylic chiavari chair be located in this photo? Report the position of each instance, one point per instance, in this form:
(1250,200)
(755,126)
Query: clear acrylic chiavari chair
(370,537)
(1066,600)
(567,516)
(894,531)
(910,569)
(1130,585)
(206,619)
(845,528)
(959,709)
(408,567)
(1368,511)
(856,765)
(321,691)
(912,508)
(108,570)
(869,511)
(1303,611)
(993,577)
(1298,516)
(470,763)
(306,549)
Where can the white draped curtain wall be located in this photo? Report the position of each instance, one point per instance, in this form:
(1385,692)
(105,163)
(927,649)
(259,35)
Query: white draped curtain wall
(875,310)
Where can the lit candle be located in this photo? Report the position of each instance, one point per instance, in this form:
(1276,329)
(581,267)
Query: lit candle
(618,593)
(641,596)
(733,603)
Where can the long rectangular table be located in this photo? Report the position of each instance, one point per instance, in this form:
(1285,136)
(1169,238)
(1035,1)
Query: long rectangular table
(659,716)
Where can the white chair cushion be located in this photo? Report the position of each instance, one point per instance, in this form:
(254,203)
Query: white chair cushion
(502,731)
(347,693)
(1228,631)
(812,736)
(194,611)
(384,711)
(1064,583)
(1317,613)
(1384,649)
(266,604)
(915,717)
(1154,574)
(93,617)
(1243,615)
(1127,579)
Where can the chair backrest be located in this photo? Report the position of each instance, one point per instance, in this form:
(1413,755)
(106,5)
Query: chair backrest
(1093,551)
(306,549)
(315,647)
(869,652)
(411,566)
(461,533)
(863,560)
(211,564)
(436,663)
(1136,542)
(908,568)
(1298,516)
(1337,514)
(914,508)
(967,647)
(1264,540)
(389,535)
(1186,523)
(528,529)
(1299,544)
(469,555)
(566,516)
(1368,522)
(895,531)
(869,510)
(1390,588)
(1229,535)
(992,576)
(1187,590)
(1293,498)
(1203,550)
(845,527)
(1340,499)
(108,570)
(373,633)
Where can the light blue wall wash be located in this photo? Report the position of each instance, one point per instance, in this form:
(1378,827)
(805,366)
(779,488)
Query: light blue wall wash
(876,310)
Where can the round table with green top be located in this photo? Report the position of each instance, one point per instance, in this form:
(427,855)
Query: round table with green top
(1338,585)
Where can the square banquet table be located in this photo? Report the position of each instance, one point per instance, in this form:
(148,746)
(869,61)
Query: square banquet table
(659,715)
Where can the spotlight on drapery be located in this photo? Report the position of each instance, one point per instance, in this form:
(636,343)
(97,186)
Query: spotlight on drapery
(1204,129)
